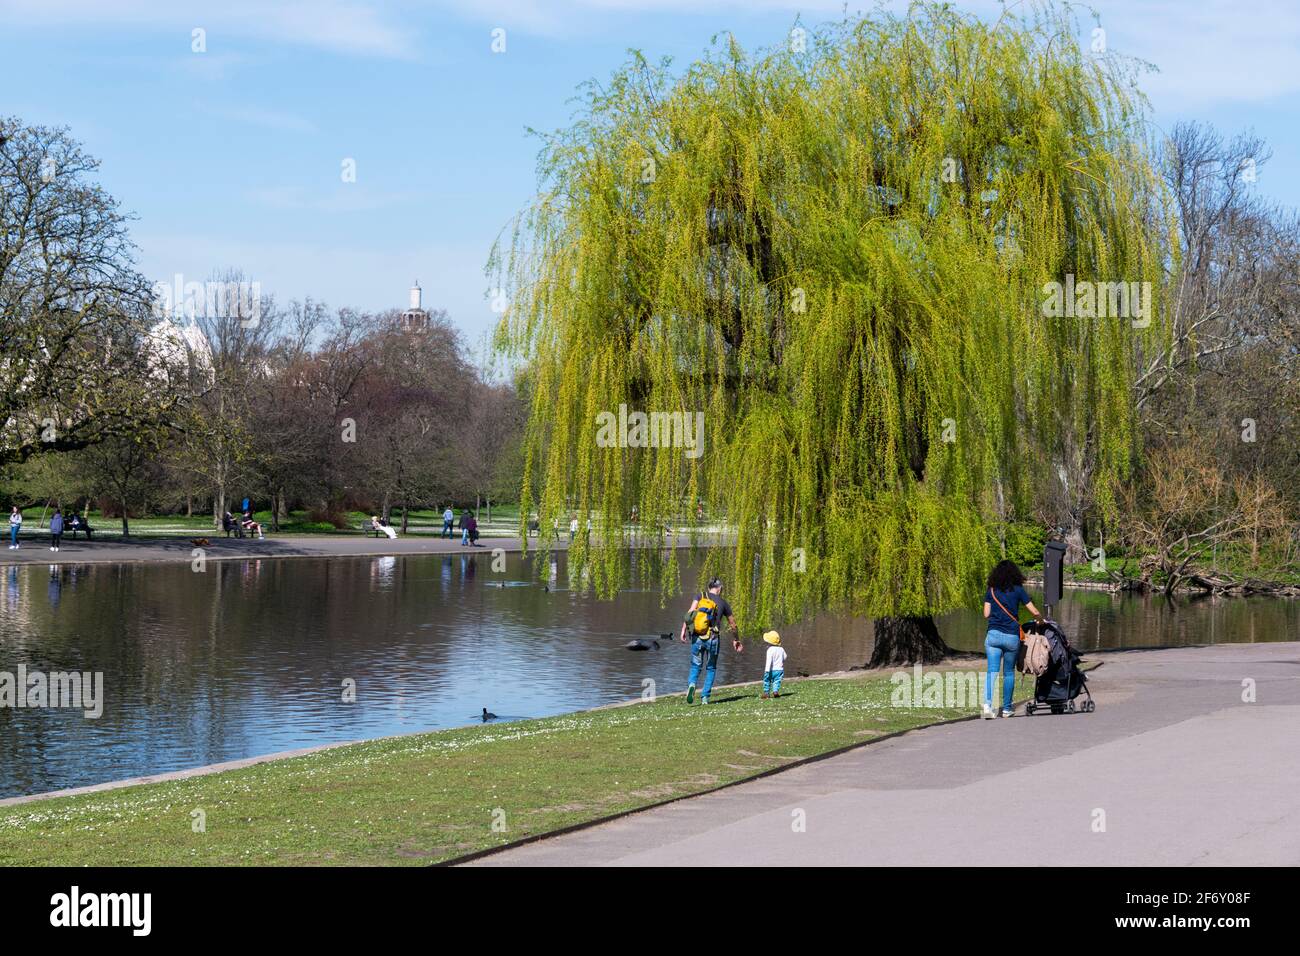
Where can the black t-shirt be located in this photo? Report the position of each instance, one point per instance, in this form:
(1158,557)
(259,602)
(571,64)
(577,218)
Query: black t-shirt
(723,611)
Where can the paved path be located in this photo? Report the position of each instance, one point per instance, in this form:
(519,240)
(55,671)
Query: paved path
(1184,771)
(36,550)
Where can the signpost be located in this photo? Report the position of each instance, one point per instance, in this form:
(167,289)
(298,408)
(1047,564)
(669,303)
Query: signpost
(1053,575)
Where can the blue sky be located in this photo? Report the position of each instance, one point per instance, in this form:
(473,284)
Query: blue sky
(232,157)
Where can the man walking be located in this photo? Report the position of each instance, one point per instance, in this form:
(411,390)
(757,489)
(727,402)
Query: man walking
(703,619)
(448,517)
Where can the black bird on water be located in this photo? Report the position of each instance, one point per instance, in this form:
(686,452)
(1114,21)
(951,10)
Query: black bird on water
(488,715)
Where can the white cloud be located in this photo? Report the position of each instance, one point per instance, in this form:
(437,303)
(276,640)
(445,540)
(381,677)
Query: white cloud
(1211,52)
(346,197)
(1208,51)
(268,119)
(341,26)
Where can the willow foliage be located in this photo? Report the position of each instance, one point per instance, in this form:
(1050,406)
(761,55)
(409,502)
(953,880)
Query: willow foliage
(837,255)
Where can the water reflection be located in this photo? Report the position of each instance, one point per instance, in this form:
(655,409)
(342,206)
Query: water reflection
(252,657)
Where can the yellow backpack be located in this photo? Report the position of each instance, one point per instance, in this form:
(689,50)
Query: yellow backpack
(705,618)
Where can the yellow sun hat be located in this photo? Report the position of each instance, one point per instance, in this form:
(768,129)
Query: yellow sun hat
(771,637)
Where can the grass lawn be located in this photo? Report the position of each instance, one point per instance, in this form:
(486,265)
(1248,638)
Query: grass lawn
(505,521)
(504,524)
(435,796)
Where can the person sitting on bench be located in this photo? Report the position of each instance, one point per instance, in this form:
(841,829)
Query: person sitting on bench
(377,525)
(78,523)
(251,526)
(230,526)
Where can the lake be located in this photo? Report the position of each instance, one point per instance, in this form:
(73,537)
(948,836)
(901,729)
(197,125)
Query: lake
(255,656)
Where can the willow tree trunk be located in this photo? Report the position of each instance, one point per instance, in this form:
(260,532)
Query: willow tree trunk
(904,641)
(1076,547)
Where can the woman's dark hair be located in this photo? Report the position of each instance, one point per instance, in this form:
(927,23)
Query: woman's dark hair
(1005,576)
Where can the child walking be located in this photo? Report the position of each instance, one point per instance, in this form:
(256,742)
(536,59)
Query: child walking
(774,667)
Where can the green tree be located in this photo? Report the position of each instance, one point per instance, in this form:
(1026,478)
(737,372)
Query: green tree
(127,470)
(837,251)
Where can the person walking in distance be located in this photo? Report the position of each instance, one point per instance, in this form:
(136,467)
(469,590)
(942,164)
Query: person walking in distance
(56,530)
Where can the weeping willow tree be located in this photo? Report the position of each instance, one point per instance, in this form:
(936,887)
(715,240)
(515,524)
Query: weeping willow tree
(837,253)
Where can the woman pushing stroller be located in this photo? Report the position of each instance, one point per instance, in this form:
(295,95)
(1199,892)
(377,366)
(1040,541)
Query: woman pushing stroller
(1002,602)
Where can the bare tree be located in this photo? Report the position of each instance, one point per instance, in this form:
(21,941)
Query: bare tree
(239,333)
(1224,280)
(74,313)
(1187,508)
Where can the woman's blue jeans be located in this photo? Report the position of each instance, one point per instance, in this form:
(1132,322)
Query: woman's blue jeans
(1001,648)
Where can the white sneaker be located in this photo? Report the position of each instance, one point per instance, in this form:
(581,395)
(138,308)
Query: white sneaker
(988,712)
(53,548)
(1008,712)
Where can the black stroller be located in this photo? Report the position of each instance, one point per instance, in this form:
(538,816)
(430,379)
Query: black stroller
(1063,681)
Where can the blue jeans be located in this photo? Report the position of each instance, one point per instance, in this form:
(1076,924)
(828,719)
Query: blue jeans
(446,529)
(464,535)
(701,647)
(772,682)
(13,533)
(1002,648)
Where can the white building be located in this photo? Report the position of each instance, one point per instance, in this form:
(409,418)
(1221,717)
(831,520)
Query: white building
(416,317)
(178,350)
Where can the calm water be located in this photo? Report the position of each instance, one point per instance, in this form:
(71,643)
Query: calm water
(251,657)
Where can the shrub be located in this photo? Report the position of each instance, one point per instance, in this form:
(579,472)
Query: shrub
(1024,541)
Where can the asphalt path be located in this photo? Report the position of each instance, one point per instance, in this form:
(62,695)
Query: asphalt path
(1173,768)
